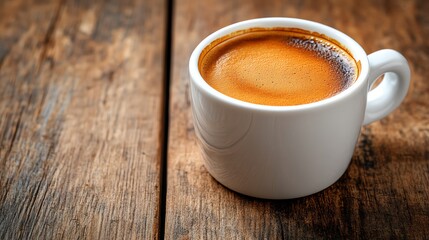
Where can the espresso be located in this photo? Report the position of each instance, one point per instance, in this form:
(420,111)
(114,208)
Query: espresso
(278,67)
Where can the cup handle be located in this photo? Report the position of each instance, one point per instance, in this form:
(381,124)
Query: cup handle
(392,90)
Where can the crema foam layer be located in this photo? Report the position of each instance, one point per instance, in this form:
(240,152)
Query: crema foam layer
(277,67)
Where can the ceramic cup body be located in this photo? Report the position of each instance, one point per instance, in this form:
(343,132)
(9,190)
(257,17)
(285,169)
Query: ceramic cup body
(282,152)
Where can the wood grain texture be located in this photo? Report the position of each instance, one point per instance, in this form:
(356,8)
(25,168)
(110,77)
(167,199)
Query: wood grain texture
(81,103)
(384,193)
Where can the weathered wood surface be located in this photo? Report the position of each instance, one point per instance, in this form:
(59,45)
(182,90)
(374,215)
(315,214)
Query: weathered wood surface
(82,126)
(385,192)
(81,109)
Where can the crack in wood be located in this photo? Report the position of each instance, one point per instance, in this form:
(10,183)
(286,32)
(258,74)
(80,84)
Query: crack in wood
(12,141)
(47,41)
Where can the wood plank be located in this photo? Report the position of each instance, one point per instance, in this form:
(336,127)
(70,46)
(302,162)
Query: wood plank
(385,190)
(81,104)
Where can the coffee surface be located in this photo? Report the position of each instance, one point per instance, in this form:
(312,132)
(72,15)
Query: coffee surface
(277,67)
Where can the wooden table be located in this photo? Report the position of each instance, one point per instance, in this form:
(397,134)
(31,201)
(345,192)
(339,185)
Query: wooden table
(96,137)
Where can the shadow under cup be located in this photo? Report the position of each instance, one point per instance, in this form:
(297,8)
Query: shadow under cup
(278,152)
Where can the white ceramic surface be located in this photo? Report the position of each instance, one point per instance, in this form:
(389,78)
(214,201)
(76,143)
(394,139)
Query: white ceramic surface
(282,152)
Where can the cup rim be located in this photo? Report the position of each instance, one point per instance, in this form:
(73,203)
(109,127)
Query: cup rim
(357,52)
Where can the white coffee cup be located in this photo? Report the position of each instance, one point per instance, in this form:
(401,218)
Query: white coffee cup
(282,152)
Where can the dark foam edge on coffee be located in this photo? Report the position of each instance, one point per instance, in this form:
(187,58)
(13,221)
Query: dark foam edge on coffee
(295,32)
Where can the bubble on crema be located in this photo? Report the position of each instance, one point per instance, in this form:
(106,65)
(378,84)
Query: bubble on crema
(334,56)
